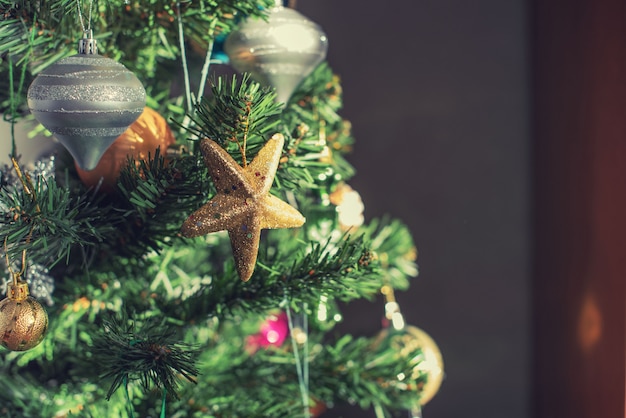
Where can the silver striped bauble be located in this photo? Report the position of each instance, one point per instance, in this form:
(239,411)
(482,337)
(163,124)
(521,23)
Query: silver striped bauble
(86,101)
(279,52)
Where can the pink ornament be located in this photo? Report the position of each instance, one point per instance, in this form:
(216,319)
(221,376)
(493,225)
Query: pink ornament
(273,331)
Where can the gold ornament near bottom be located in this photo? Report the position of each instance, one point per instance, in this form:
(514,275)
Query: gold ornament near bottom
(23,320)
(430,362)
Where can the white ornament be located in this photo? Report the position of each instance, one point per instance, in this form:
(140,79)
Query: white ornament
(279,52)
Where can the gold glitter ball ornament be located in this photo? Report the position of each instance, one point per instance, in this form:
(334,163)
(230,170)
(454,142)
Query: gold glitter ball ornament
(243,205)
(430,362)
(23,320)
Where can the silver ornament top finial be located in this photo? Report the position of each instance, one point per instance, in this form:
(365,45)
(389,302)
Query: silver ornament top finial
(88,45)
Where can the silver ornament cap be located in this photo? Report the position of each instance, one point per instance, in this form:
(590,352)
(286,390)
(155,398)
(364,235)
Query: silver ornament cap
(86,101)
(279,52)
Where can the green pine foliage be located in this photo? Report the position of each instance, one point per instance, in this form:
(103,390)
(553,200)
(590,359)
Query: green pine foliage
(147,323)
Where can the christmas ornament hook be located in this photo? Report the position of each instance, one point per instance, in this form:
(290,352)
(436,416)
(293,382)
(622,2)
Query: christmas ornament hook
(88,45)
(80,16)
(17,289)
(29,190)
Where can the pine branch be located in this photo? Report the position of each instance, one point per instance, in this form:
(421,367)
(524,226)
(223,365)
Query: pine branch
(319,138)
(239,115)
(234,382)
(49,223)
(59,221)
(264,384)
(288,267)
(347,270)
(366,371)
(393,244)
(56,399)
(150,354)
(56,220)
(156,197)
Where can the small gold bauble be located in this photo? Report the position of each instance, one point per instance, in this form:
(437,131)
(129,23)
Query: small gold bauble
(23,322)
(430,362)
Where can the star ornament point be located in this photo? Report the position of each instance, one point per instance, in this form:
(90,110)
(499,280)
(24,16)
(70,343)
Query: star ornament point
(243,205)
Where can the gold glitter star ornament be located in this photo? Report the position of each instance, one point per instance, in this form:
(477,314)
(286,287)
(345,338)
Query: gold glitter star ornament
(243,205)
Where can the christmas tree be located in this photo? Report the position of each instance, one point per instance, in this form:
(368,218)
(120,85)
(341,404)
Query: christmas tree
(194,238)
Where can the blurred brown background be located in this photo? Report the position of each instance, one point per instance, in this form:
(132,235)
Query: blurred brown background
(496,130)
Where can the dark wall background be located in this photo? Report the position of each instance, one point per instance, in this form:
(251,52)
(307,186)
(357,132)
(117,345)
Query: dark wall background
(437,91)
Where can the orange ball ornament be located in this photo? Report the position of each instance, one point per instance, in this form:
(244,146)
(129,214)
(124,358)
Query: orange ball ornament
(149,132)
